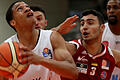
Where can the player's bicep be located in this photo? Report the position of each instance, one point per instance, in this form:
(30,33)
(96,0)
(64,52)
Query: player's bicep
(60,50)
(63,55)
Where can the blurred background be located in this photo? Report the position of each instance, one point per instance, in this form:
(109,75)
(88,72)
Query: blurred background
(56,10)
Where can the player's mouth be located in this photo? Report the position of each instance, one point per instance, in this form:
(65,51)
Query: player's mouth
(85,34)
(38,27)
(112,17)
(29,14)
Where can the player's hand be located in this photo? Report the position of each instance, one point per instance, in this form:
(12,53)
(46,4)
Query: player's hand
(67,25)
(27,56)
(30,57)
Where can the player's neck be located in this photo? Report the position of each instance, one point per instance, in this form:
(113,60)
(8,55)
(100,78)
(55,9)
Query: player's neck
(115,29)
(29,39)
(94,48)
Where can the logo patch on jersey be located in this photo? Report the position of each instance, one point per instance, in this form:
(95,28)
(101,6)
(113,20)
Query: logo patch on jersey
(84,52)
(82,68)
(47,53)
(103,75)
(82,59)
(105,64)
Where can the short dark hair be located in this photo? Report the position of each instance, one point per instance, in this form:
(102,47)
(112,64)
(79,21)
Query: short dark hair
(36,8)
(95,13)
(9,14)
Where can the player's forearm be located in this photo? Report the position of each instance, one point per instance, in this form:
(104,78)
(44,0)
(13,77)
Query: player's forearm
(64,68)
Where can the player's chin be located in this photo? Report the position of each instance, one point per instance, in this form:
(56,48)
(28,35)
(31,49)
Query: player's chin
(37,28)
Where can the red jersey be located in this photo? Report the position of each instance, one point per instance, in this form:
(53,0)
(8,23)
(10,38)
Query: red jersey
(97,67)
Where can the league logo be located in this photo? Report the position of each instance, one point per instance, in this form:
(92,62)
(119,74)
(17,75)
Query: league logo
(82,68)
(103,75)
(47,53)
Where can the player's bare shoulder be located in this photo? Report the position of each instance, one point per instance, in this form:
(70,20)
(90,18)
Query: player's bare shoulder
(56,39)
(116,54)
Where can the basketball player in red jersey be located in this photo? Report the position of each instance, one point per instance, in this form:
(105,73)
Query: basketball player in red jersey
(94,60)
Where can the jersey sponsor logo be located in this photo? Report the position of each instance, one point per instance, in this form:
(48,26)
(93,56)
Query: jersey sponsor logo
(103,75)
(84,52)
(47,53)
(82,68)
(82,59)
(105,64)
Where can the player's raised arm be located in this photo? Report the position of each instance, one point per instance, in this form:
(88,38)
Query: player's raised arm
(67,25)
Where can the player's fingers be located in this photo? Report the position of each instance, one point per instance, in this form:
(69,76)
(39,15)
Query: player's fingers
(24,60)
(75,17)
(22,47)
(27,59)
(72,19)
(24,54)
(73,25)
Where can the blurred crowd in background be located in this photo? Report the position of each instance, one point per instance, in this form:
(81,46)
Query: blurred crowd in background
(56,11)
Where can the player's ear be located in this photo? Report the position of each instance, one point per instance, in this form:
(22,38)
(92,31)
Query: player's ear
(12,22)
(102,27)
(45,22)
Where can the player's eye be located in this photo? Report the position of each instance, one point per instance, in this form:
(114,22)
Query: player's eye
(28,6)
(115,7)
(38,19)
(90,23)
(82,23)
(19,9)
(108,7)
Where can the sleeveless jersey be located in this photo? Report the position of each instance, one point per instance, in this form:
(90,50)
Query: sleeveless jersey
(97,67)
(114,43)
(114,40)
(42,48)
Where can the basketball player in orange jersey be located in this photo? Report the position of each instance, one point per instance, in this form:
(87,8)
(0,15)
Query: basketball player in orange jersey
(94,60)
(50,59)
